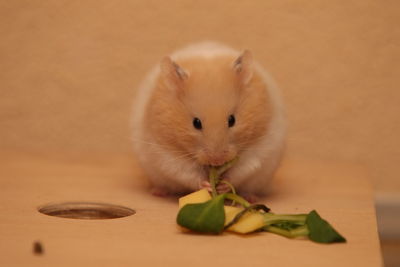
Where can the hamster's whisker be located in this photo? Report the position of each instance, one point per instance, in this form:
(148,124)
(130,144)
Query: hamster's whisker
(260,149)
(254,148)
(255,140)
(155,148)
(152,144)
(180,157)
(161,150)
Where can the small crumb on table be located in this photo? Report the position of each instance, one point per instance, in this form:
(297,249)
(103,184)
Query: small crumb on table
(38,248)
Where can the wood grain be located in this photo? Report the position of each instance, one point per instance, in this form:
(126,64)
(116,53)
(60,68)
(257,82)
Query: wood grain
(340,192)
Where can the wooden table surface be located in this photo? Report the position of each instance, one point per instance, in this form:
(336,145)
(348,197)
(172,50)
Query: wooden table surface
(341,193)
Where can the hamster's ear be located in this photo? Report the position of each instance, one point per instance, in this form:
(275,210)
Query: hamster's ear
(243,66)
(173,74)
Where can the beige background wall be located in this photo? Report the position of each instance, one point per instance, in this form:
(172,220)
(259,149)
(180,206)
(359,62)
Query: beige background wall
(69,69)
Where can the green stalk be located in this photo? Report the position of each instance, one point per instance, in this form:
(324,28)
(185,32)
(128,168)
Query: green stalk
(297,232)
(216,172)
(226,166)
(232,189)
(270,218)
(238,199)
(213,177)
(298,222)
(230,186)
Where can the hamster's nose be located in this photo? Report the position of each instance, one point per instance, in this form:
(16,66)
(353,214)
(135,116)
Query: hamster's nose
(216,162)
(218,159)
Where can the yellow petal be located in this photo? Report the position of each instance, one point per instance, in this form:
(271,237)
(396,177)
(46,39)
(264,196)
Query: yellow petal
(196,197)
(249,222)
(230,213)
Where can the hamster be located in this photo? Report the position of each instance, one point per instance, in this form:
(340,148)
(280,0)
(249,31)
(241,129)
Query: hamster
(203,106)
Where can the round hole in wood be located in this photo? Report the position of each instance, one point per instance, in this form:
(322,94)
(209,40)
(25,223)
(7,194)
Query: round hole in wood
(86,210)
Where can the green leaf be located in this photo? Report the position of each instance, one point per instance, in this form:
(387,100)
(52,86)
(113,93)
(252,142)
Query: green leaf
(321,231)
(207,217)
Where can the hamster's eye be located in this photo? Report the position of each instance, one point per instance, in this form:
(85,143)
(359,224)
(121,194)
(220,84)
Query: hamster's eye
(197,123)
(231,120)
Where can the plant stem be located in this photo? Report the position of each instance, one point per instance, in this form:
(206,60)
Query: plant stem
(230,186)
(238,199)
(299,231)
(213,177)
(216,172)
(270,218)
(226,166)
(232,189)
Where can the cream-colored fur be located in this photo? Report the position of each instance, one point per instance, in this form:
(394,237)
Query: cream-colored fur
(172,152)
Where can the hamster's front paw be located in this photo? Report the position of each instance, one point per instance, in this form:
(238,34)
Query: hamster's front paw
(205,185)
(159,192)
(221,187)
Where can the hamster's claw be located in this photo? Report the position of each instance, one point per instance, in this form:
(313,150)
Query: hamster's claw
(221,187)
(205,185)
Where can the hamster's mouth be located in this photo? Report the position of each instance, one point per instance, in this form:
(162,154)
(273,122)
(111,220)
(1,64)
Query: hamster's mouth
(216,166)
(221,168)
